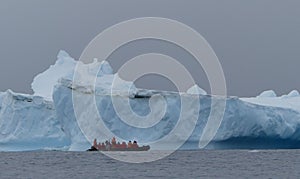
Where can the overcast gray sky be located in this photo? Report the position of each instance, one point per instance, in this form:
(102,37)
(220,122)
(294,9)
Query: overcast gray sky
(257,41)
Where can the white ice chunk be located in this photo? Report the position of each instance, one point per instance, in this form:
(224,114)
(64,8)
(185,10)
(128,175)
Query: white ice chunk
(267,94)
(196,90)
(293,93)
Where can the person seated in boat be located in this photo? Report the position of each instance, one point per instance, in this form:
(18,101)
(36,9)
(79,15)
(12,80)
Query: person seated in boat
(95,143)
(113,141)
(98,146)
(129,145)
(107,145)
(135,145)
(123,145)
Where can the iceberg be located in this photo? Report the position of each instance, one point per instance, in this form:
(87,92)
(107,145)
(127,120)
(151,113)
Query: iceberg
(47,119)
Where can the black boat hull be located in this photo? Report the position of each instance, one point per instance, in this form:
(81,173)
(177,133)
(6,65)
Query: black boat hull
(143,148)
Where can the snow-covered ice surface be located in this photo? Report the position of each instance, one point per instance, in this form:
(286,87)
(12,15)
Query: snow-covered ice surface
(46,120)
(289,101)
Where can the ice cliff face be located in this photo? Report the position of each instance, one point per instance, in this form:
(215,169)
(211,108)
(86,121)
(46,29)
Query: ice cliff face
(29,123)
(244,125)
(46,120)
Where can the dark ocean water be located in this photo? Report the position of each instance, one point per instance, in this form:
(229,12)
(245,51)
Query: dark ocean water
(181,164)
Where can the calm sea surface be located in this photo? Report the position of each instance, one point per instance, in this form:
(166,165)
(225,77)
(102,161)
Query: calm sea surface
(181,164)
